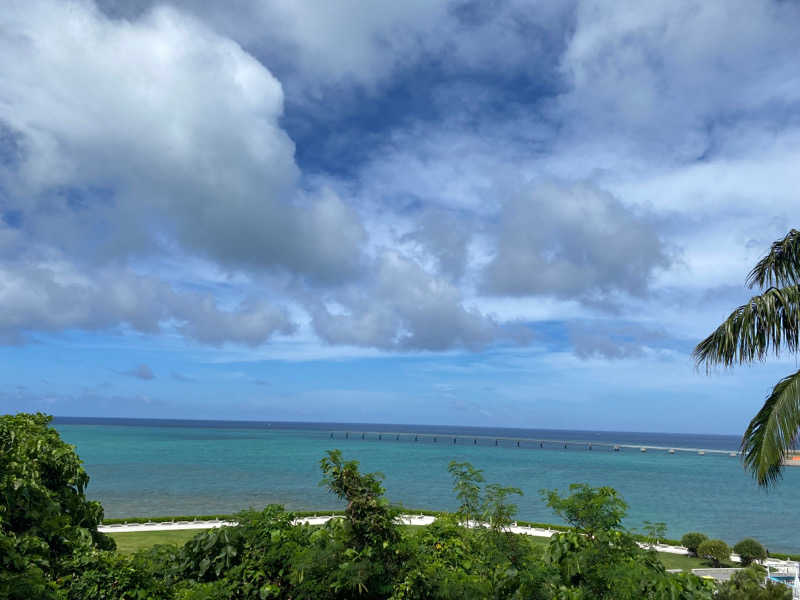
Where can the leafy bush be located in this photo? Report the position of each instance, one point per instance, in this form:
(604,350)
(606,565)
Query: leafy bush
(716,551)
(784,556)
(360,555)
(169,518)
(112,576)
(45,517)
(749,550)
(748,584)
(588,509)
(692,540)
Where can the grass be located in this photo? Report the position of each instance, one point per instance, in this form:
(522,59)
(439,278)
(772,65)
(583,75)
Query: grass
(130,542)
(683,562)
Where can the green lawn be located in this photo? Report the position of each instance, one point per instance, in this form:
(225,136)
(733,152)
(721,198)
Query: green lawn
(128,543)
(687,563)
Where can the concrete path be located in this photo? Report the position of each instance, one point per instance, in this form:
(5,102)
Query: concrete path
(405,519)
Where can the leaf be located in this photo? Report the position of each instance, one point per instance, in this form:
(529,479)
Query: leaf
(773,431)
(204,564)
(763,324)
(781,266)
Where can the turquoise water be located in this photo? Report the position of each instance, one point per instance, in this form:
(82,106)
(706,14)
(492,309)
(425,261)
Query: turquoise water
(149,471)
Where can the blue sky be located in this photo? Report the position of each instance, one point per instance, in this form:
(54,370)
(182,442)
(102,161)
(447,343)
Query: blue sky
(501,213)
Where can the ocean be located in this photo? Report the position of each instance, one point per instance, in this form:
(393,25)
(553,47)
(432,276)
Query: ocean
(143,467)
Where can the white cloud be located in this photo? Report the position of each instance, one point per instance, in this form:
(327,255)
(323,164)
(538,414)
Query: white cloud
(661,76)
(574,242)
(140,134)
(404,308)
(54,295)
(156,140)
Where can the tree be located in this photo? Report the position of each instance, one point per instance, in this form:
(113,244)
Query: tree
(466,483)
(599,559)
(369,515)
(588,509)
(716,551)
(361,554)
(749,550)
(45,517)
(766,324)
(654,531)
(692,540)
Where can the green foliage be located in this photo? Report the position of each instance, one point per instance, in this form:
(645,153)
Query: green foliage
(692,540)
(598,559)
(749,550)
(654,532)
(482,560)
(369,517)
(716,551)
(50,549)
(45,517)
(254,558)
(104,575)
(466,483)
(765,324)
(209,555)
(451,561)
(169,519)
(498,511)
(611,566)
(360,555)
(748,584)
(784,556)
(588,509)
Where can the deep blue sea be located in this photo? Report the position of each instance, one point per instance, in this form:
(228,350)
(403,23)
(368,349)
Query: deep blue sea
(158,467)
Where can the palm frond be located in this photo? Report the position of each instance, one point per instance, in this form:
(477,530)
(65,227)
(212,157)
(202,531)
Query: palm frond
(781,266)
(772,431)
(764,324)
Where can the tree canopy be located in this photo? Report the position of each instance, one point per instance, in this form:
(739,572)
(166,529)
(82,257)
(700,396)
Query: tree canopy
(766,324)
(45,517)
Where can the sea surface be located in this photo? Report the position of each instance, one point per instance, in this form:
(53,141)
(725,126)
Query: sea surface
(142,467)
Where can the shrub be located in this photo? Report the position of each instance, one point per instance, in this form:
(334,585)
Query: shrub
(45,517)
(112,576)
(588,509)
(749,550)
(749,584)
(716,551)
(692,540)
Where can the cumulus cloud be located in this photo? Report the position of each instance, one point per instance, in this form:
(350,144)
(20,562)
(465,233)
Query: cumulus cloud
(444,235)
(54,296)
(665,76)
(136,139)
(319,44)
(130,136)
(405,308)
(574,242)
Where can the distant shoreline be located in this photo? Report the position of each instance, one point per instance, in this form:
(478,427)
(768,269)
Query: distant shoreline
(712,441)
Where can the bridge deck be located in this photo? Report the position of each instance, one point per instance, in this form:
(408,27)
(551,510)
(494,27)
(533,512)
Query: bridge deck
(455,438)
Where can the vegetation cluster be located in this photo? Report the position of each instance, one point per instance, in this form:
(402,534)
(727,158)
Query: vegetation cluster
(50,548)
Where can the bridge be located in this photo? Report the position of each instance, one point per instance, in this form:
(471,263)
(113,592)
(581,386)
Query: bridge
(518,442)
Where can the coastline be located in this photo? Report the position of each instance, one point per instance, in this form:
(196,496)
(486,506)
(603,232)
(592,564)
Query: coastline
(405,519)
(214,472)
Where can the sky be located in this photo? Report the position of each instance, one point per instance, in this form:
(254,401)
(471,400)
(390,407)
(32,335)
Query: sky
(500,213)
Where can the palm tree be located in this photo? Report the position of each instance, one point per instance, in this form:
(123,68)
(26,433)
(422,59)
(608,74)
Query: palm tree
(768,323)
